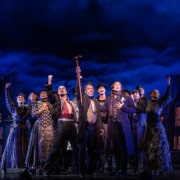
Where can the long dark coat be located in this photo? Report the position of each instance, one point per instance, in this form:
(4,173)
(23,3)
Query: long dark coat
(123,118)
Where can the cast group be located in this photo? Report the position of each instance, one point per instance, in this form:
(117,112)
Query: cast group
(120,133)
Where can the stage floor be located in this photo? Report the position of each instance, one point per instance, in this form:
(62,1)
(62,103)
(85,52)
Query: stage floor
(16,174)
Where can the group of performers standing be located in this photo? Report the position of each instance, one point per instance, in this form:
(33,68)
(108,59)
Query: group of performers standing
(114,133)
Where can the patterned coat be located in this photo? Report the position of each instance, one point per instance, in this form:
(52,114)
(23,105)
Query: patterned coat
(157,147)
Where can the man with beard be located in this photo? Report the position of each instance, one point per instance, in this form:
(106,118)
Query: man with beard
(64,114)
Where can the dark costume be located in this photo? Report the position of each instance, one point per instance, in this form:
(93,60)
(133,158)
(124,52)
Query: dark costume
(17,142)
(101,140)
(89,127)
(119,131)
(157,147)
(139,129)
(31,160)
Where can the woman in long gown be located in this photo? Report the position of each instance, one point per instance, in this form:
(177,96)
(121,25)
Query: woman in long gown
(157,147)
(32,152)
(43,131)
(17,141)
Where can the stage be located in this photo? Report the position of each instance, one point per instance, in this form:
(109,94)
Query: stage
(17,174)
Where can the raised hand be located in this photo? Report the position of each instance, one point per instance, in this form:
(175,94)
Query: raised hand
(7,85)
(78,70)
(168,80)
(50,77)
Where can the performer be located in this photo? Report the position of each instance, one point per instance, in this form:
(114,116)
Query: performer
(17,141)
(102,156)
(44,128)
(139,129)
(156,146)
(31,160)
(89,127)
(65,115)
(119,127)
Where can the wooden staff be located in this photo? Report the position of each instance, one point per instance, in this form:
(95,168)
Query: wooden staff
(79,77)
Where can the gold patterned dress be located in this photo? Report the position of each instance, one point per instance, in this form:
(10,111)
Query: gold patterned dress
(45,131)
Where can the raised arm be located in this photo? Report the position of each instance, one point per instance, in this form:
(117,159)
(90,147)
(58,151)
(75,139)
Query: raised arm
(168,80)
(9,103)
(167,97)
(52,96)
(50,77)
(78,84)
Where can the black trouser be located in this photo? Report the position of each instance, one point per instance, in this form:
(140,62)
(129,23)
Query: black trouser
(119,146)
(65,131)
(87,150)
